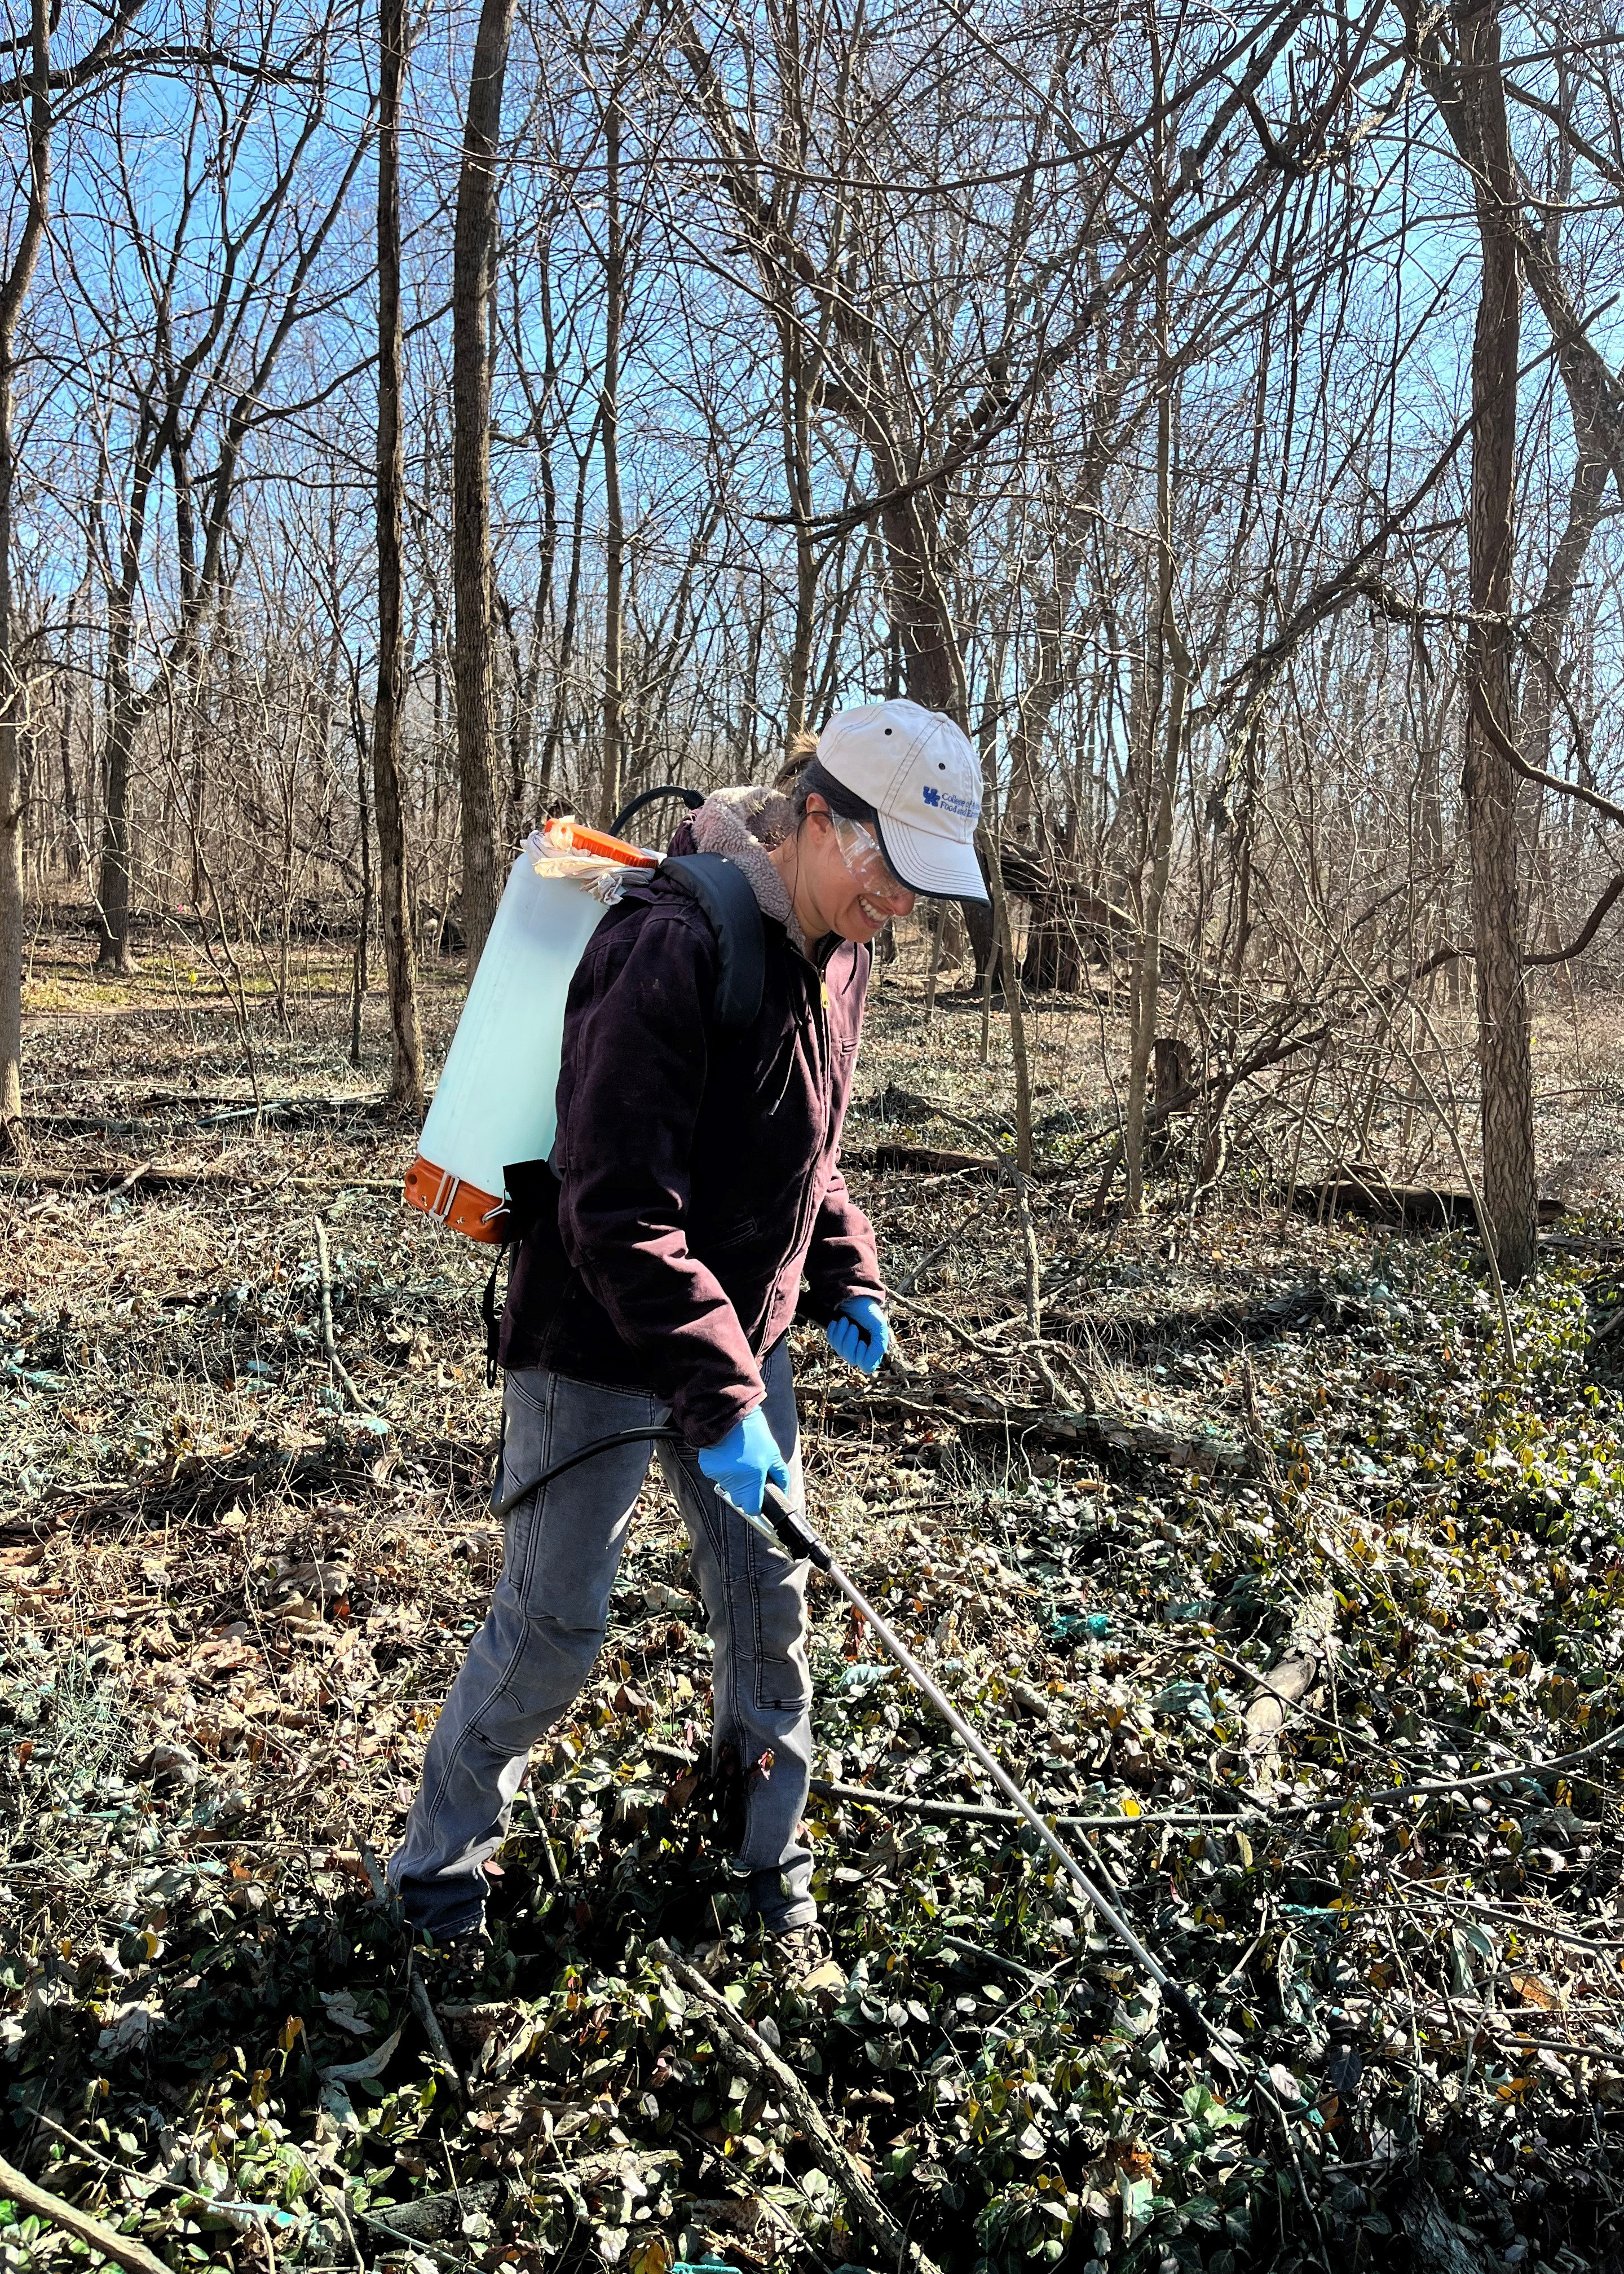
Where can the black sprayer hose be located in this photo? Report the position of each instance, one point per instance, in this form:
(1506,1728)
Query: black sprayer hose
(691,798)
(510,1500)
(779,1522)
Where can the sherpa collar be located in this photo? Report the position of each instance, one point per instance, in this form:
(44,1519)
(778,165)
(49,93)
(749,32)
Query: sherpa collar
(744,824)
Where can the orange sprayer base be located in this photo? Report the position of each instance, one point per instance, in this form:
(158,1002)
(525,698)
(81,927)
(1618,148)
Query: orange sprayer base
(476,1215)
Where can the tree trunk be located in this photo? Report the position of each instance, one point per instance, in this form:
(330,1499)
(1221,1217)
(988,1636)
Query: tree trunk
(1489,783)
(1171,652)
(564,662)
(364,945)
(69,720)
(118,833)
(470,471)
(1054,957)
(388,784)
(798,477)
(13,292)
(614,527)
(916,603)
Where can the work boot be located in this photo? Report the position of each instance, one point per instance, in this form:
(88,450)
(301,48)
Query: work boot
(804,1959)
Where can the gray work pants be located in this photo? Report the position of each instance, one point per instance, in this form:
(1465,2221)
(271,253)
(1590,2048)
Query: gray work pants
(546,1623)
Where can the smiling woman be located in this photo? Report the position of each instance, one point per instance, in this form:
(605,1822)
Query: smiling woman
(693,1186)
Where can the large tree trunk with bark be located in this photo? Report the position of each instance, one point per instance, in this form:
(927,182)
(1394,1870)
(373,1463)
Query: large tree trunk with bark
(1490,782)
(388,784)
(470,456)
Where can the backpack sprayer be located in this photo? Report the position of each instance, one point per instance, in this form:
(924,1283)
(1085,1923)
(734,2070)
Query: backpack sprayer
(495,1100)
(789,1535)
(495,1104)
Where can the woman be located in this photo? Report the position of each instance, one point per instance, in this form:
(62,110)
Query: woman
(697,1186)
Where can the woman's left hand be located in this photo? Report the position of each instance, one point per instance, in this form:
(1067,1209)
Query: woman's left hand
(860,1332)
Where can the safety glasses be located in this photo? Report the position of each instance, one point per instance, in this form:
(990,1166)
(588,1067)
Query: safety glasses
(866,863)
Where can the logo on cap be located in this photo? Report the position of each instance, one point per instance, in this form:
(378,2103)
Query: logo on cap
(948,803)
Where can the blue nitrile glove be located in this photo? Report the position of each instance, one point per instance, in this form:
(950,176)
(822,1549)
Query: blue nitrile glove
(860,1332)
(740,1466)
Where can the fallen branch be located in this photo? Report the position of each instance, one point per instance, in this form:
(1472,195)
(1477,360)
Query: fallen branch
(989,1957)
(1417,1207)
(438,2218)
(337,1363)
(422,2007)
(951,1811)
(932,1157)
(745,2050)
(412,2241)
(1102,1432)
(39,2203)
(153,1176)
(1306,1664)
(985,1348)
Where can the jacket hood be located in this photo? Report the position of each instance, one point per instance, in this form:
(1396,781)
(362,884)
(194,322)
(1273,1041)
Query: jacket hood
(743,826)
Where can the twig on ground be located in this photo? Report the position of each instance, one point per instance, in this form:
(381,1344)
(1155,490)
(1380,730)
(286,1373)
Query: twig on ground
(116,1177)
(1289,1683)
(1035,1284)
(910,1281)
(1501,1917)
(744,2044)
(983,1349)
(123,2249)
(337,1363)
(779,2218)
(989,1957)
(340,2203)
(422,2007)
(979,1812)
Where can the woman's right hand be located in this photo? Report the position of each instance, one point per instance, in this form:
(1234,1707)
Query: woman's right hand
(741,1465)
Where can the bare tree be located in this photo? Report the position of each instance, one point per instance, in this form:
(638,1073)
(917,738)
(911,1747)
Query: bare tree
(388,784)
(1463,62)
(13,693)
(472,265)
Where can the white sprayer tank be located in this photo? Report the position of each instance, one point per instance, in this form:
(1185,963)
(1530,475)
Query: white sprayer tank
(496,1100)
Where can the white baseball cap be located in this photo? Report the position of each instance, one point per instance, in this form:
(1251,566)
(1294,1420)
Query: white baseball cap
(917,771)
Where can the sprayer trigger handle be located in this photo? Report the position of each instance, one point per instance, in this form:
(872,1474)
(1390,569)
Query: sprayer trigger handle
(762,1521)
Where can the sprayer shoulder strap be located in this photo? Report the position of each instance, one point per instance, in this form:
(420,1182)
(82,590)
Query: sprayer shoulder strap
(724,891)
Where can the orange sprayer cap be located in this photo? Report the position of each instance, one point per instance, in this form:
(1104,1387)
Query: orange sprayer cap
(575,837)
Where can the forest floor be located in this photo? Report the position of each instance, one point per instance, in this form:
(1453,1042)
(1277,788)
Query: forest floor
(1241,1469)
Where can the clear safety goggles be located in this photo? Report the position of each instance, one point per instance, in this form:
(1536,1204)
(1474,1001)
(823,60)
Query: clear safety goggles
(866,863)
